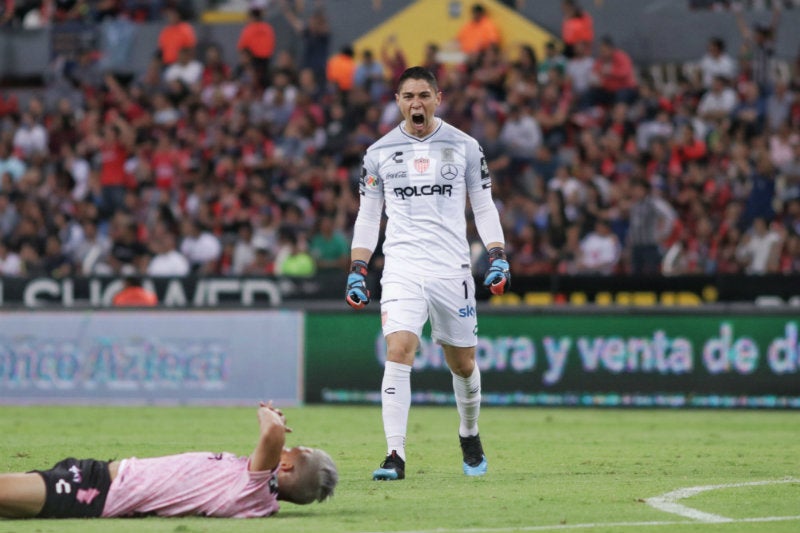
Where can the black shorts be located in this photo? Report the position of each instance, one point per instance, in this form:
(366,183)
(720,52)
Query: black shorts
(76,488)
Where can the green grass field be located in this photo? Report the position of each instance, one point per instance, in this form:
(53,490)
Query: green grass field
(549,469)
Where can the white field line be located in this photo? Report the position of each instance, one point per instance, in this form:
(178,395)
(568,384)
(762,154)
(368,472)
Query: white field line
(666,502)
(589,525)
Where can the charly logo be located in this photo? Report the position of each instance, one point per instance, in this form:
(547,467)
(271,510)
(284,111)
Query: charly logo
(449,172)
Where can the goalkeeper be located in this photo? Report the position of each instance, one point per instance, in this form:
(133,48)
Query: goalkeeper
(423,170)
(193,483)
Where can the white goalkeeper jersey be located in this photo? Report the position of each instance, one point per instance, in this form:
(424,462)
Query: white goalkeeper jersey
(423,184)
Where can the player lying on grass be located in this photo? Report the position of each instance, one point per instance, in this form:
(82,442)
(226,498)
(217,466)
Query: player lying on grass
(192,483)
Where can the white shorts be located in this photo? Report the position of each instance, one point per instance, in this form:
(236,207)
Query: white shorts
(406,304)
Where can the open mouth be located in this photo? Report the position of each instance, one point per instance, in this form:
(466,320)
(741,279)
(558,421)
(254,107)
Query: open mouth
(418,119)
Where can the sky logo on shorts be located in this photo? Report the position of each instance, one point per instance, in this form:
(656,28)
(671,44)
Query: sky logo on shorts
(466,312)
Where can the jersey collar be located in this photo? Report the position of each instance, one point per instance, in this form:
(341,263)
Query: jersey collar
(422,139)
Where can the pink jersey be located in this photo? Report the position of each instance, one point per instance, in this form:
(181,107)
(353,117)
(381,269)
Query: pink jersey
(195,483)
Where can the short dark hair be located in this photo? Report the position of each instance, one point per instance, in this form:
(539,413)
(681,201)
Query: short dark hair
(418,73)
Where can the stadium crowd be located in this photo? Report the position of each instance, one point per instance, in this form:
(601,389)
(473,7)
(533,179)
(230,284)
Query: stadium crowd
(199,166)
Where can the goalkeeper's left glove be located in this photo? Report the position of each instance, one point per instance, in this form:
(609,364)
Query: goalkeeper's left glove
(357,294)
(498,277)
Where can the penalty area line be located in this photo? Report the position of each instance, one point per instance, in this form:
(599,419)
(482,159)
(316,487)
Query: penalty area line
(590,525)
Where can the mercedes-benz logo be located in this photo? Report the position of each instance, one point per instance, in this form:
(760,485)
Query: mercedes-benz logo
(449,172)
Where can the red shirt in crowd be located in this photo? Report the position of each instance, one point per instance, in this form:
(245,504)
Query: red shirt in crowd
(615,73)
(258,38)
(173,38)
(578,29)
(112,167)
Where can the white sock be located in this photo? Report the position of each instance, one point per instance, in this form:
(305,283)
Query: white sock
(468,402)
(396,401)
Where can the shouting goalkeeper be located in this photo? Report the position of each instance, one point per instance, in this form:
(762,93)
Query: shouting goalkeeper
(423,170)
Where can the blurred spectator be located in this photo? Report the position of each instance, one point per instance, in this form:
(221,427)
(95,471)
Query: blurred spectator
(279,100)
(92,252)
(261,264)
(9,216)
(85,72)
(186,69)
(133,294)
(579,71)
(201,247)
(329,247)
(10,164)
(577,27)
(552,62)
(30,257)
(749,115)
(650,222)
(176,35)
(258,38)
(717,104)
(759,249)
(55,263)
(369,75)
(166,260)
(779,104)
(30,138)
(113,142)
(716,62)
(789,261)
(126,248)
(614,77)
(521,135)
(10,262)
(243,251)
(692,252)
(552,116)
(213,64)
(790,174)
(532,254)
(759,190)
(758,48)
(600,250)
(479,32)
(316,37)
(394,59)
(340,70)
(293,259)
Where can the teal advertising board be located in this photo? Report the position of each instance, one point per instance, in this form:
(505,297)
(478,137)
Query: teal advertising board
(635,359)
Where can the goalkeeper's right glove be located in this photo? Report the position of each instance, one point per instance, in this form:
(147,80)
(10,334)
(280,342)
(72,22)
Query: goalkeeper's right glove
(498,277)
(357,294)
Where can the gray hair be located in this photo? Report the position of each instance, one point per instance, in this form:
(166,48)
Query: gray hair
(315,477)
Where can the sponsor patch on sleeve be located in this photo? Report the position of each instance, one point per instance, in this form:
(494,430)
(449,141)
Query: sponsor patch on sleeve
(370,181)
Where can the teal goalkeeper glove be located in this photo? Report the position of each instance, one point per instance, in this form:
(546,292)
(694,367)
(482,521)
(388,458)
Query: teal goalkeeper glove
(498,277)
(357,295)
